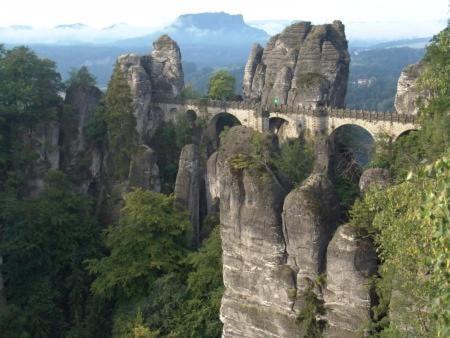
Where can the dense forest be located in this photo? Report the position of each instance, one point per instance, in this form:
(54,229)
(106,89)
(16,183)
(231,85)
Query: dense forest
(69,271)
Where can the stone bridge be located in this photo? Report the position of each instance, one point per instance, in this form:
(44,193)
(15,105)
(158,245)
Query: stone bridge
(291,122)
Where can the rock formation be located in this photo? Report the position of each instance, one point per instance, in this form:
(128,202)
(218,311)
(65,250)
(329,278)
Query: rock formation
(151,78)
(310,215)
(350,263)
(303,65)
(43,139)
(166,70)
(80,159)
(408,93)
(187,188)
(144,172)
(374,177)
(258,295)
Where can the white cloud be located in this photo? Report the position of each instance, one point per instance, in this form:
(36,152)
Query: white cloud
(149,13)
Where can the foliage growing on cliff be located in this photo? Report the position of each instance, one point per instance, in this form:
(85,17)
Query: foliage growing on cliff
(221,85)
(312,307)
(29,88)
(80,77)
(295,159)
(168,141)
(433,138)
(156,283)
(148,242)
(44,244)
(121,123)
(409,221)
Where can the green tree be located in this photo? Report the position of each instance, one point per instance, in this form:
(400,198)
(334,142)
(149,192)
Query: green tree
(147,243)
(189,92)
(80,77)
(44,244)
(29,94)
(120,122)
(295,159)
(221,85)
(409,221)
(200,313)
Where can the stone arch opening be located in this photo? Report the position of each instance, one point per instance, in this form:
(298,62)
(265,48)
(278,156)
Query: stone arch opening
(350,149)
(404,133)
(191,115)
(279,127)
(216,126)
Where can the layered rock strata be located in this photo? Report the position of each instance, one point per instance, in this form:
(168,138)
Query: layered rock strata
(152,78)
(409,94)
(350,263)
(258,297)
(303,65)
(187,188)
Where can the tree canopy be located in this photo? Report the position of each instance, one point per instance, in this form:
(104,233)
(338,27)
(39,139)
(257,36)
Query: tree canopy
(221,85)
(80,77)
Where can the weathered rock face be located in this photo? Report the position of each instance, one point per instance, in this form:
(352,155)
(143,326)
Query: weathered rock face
(144,172)
(253,61)
(43,139)
(374,177)
(80,159)
(258,297)
(303,65)
(166,70)
(212,183)
(138,79)
(350,263)
(310,214)
(408,92)
(153,77)
(187,187)
(83,100)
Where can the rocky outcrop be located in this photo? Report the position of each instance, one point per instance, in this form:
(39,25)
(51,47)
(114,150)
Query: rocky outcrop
(212,184)
(79,154)
(303,65)
(144,172)
(408,92)
(187,188)
(152,78)
(310,215)
(82,102)
(258,283)
(350,263)
(43,140)
(253,61)
(374,177)
(133,66)
(166,70)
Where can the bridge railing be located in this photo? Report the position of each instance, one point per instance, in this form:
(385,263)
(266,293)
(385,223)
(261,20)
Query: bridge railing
(344,113)
(290,109)
(208,103)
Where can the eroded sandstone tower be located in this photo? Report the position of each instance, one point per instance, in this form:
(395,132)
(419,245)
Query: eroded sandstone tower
(305,64)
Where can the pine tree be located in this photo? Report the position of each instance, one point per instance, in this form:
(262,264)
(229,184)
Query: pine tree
(121,123)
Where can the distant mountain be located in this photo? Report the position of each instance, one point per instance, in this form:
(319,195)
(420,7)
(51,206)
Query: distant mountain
(77,25)
(21,27)
(206,29)
(411,43)
(116,26)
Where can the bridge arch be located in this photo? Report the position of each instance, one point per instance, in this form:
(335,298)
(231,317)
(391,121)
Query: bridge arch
(404,133)
(351,147)
(216,125)
(284,126)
